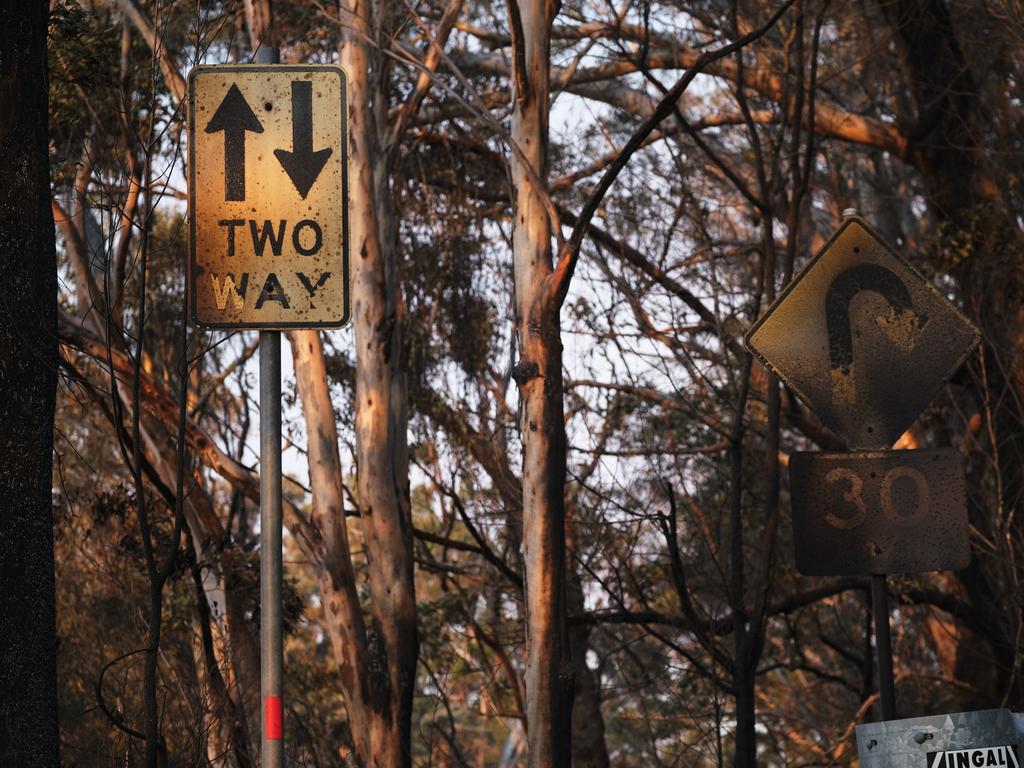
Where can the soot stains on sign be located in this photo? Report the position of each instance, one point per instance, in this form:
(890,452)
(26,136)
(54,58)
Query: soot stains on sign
(862,338)
(268,197)
(878,512)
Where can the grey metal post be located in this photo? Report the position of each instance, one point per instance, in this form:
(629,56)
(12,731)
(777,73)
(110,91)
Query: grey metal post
(883,645)
(271,632)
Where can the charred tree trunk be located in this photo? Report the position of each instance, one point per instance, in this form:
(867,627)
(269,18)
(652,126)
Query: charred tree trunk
(28,382)
(948,146)
(589,749)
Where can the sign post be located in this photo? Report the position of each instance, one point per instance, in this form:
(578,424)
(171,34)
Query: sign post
(866,341)
(271,529)
(268,223)
(883,644)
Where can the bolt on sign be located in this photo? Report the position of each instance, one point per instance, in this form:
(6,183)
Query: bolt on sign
(863,338)
(879,512)
(268,196)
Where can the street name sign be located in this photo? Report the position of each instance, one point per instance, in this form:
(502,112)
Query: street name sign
(988,738)
(863,338)
(268,196)
(879,512)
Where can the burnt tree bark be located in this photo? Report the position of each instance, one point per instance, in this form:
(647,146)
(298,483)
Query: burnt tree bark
(949,144)
(28,382)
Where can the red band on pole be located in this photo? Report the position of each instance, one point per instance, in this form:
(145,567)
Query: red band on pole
(272,717)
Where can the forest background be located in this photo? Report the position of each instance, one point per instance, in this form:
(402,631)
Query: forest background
(536,504)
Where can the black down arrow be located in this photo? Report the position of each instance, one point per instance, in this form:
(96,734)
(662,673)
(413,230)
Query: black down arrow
(302,164)
(234,116)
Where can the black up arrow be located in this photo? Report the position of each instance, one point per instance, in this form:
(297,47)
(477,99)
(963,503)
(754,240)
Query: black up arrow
(234,116)
(302,164)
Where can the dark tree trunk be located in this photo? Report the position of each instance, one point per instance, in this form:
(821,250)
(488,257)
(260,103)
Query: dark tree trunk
(28,380)
(949,147)
(589,749)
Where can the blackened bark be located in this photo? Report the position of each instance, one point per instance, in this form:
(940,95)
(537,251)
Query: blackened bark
(589,749)
(948,146)
(28,380)
(943,143)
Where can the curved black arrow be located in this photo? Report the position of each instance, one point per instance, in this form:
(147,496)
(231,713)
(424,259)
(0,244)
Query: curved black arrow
(234,116)
(863,277)
(302,164)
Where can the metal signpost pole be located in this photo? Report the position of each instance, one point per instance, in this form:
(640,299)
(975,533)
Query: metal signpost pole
(883,645)
(271,647)
(271,639)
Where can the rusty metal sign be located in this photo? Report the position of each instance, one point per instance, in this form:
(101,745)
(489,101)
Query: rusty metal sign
(268,194)
(863,338)
(879,512)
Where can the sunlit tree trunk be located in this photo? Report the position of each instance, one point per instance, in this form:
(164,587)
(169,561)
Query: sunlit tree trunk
(392,646)
(549,676)
(343,617)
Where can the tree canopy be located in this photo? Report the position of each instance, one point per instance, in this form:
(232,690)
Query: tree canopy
(536,496)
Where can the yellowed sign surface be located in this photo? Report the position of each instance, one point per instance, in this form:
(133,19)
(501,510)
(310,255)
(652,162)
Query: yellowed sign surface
(863,338)
(268,192)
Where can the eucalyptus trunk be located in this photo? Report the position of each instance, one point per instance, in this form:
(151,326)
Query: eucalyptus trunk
(549,672)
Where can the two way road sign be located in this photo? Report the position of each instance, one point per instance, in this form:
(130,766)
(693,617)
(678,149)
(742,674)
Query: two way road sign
(268,193)
(862,338)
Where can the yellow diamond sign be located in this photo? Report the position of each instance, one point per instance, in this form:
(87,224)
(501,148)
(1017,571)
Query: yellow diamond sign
(268,193)
(862,338)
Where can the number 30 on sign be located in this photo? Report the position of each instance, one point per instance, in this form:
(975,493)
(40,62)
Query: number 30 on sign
(878,512)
